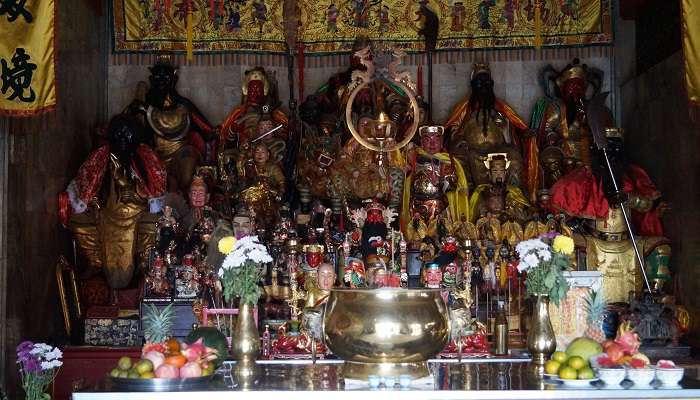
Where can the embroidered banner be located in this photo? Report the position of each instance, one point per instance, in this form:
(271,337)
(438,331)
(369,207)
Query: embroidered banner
(27,57)
(332,25)
(217,25)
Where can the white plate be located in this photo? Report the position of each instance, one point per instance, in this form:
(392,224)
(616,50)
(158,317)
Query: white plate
(576,382)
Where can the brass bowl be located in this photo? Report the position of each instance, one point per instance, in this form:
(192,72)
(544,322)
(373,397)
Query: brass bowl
(387,325)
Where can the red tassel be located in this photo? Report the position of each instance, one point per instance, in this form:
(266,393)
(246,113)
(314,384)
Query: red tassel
(156,5)
(300,67)
(221,8)
(168,3)
(212,9)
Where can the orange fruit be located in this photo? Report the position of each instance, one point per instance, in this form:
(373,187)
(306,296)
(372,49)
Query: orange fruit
(173,346)
(177,360)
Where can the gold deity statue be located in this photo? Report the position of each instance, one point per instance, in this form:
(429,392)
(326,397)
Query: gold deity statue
(481,124)
(115,198)
(498,198)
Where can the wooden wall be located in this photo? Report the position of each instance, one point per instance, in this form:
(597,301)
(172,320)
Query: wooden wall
(44,154)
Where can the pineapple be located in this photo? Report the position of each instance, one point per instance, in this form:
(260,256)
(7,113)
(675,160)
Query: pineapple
(156,327)
(595,307)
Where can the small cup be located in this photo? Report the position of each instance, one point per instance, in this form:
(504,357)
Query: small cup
(405,381)
(669,376)
(641,376)
(373,381)
(612,376)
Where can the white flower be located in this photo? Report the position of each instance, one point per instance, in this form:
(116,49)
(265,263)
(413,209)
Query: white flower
(46,365)
(523,266)
(531,260)
(54,354)
(527,246)
(246,249)
(544,255)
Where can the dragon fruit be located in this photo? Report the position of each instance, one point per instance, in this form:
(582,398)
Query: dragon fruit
(627,338)
(194,351)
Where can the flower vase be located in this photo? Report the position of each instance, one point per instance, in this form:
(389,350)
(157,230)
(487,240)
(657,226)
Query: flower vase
(245,342)
(541,341)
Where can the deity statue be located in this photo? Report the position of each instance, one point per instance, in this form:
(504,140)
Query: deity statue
(263,183)
(157,284)
(257,118)
(324,132)
(115,198)
(357,163)
(559,119)
(181,133)
(483,124)
(584,193)
(317,293)
(436,182)
(497,197)
(187,283)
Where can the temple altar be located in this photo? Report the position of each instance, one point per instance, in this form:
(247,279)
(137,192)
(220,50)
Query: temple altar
(485,379)
(448,199)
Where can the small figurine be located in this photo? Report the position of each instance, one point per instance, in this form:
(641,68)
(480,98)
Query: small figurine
(156,281)
(187,284)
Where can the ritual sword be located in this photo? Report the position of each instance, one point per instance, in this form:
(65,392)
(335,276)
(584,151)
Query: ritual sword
(599,119)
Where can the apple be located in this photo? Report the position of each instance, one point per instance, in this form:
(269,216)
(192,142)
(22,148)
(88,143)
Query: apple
(191,370)
(156,357)
(167,371)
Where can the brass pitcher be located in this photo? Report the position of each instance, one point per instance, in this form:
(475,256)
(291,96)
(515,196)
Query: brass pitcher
(245,344)
(541,341)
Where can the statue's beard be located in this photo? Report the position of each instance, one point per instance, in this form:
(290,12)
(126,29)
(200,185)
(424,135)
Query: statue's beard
(484,101)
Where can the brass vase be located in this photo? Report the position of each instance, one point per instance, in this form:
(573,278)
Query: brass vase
(245,343)
(541,341)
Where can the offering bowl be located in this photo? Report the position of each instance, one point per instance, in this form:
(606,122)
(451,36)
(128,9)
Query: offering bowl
(387,331)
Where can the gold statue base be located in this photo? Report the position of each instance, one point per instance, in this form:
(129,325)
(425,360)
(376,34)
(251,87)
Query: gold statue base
(361,371)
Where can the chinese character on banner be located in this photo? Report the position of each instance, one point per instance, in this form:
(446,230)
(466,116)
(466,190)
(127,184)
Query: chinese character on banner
(13,9)
(19,77)
(27,57)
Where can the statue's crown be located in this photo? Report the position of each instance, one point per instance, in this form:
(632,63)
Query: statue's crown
(431,130)
(480,68)
(198,182)
(164,61)
(574,70)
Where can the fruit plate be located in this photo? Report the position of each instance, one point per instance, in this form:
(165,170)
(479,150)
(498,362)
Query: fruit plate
(580,383)
(161,384)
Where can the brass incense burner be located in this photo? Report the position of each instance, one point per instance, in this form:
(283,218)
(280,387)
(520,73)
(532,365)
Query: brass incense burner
(387,331)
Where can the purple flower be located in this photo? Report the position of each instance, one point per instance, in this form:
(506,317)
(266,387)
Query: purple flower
(25,346)
(31,365)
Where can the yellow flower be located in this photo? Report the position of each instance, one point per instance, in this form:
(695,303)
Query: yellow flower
(226,244)
(563,244)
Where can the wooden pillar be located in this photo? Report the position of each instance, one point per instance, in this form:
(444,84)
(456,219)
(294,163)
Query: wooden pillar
(4,139)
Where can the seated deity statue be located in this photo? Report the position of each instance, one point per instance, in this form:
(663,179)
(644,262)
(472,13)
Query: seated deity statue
(435,182)
(483,124)
(115,200)
(359,164)
(258,118)
(262,183)
(497,197)
(559,120)
(181,134)
(584,192)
